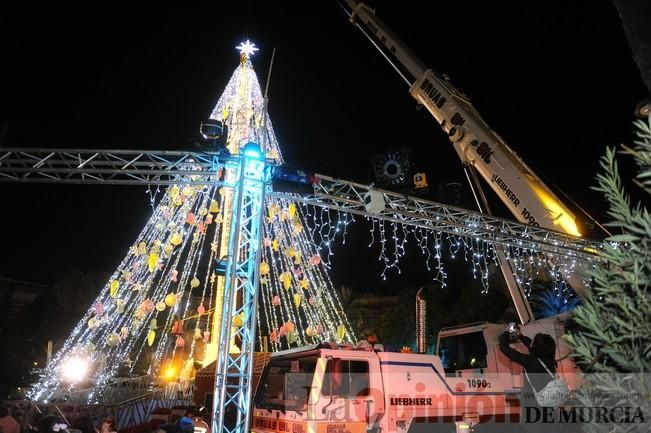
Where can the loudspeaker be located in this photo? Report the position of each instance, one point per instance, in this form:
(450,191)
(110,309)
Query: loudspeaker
(393,168)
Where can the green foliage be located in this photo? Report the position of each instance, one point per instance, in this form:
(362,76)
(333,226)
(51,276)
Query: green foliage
(613,336)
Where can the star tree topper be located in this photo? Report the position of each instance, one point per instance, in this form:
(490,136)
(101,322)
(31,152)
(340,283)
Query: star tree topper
(247,49)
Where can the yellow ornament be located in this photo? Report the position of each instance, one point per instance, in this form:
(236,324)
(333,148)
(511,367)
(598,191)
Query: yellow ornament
(304,283)
(142,248)
(292,210)
(174,192)
(290,252)
(113,339)
(160,306)
(341,332)
(176,238)
(297,300)
(286,279)
(152,261)
(203,211)
(238,321)
(264,268)
(274,245)
(170,300)
(115,285)
(310,331)
(177,201)
(298,227)
(298,258)
(168,249)
(214,206)
(194,283)
(93,323)
(151,336)
(187,191)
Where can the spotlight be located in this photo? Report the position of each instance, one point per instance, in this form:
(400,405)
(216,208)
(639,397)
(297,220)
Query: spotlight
(252,150)
(212,129)
(74,369)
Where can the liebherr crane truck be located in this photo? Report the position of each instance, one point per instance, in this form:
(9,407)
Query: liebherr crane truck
(335,389)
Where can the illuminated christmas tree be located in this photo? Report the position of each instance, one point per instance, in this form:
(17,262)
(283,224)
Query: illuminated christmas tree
(163,302)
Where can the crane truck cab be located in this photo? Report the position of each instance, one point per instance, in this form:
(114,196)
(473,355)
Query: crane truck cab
(330,388)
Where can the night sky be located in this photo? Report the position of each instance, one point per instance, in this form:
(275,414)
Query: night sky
(554,79)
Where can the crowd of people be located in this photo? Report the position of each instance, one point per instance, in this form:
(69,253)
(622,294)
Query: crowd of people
(84,424)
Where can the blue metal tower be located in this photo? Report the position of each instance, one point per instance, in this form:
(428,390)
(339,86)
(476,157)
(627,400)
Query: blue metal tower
(233,393)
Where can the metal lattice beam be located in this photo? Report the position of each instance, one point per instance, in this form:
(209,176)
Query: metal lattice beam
(352,197)
(109,167)
(125,167)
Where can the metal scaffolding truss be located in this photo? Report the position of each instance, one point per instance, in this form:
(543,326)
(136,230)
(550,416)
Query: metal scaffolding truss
(126,167)
(110,167)
(356,198)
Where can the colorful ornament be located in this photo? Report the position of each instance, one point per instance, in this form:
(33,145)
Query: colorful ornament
(273,336)
(93,323)
(113,339)
(180,342)
(267,242)
(147,306)
(176,239)
(177,328)
(289,326)
(152,261)
(175,275)
(319,329)
(291,337)
(297,300)
(264,268)
(142,248)
(197,333)
(304,283)
(124,332)
(206,336)
(194,283)
(341,332)
(310,331)
(209,219)
(160,306)
(151,336)
(315,259)
(275,301)
(286,279)
(201,309)
(119,306)
(311,301)
(170,300)
(290,252)
(115,285)
(292,210)
(190,219)
(274,245)
(214,206)
(99,308)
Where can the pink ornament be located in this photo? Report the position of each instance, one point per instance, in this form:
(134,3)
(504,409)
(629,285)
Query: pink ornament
(201,228)
(282,331)
(147,306)
(175,274)
(276,301)
(201,309)
(209,219)
(274,336)
(180,342)
(311,300)
(315,259)
(298,272)
(99,308)
(206,336)
(190,219)
(319,329)
(267,242)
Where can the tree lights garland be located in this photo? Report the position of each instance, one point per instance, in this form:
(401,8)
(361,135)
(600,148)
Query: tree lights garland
(392,238)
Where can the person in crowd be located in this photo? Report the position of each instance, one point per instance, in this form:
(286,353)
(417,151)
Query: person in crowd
(7,422)
(52,424)
(84,424)
(538,363)
(107,425)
